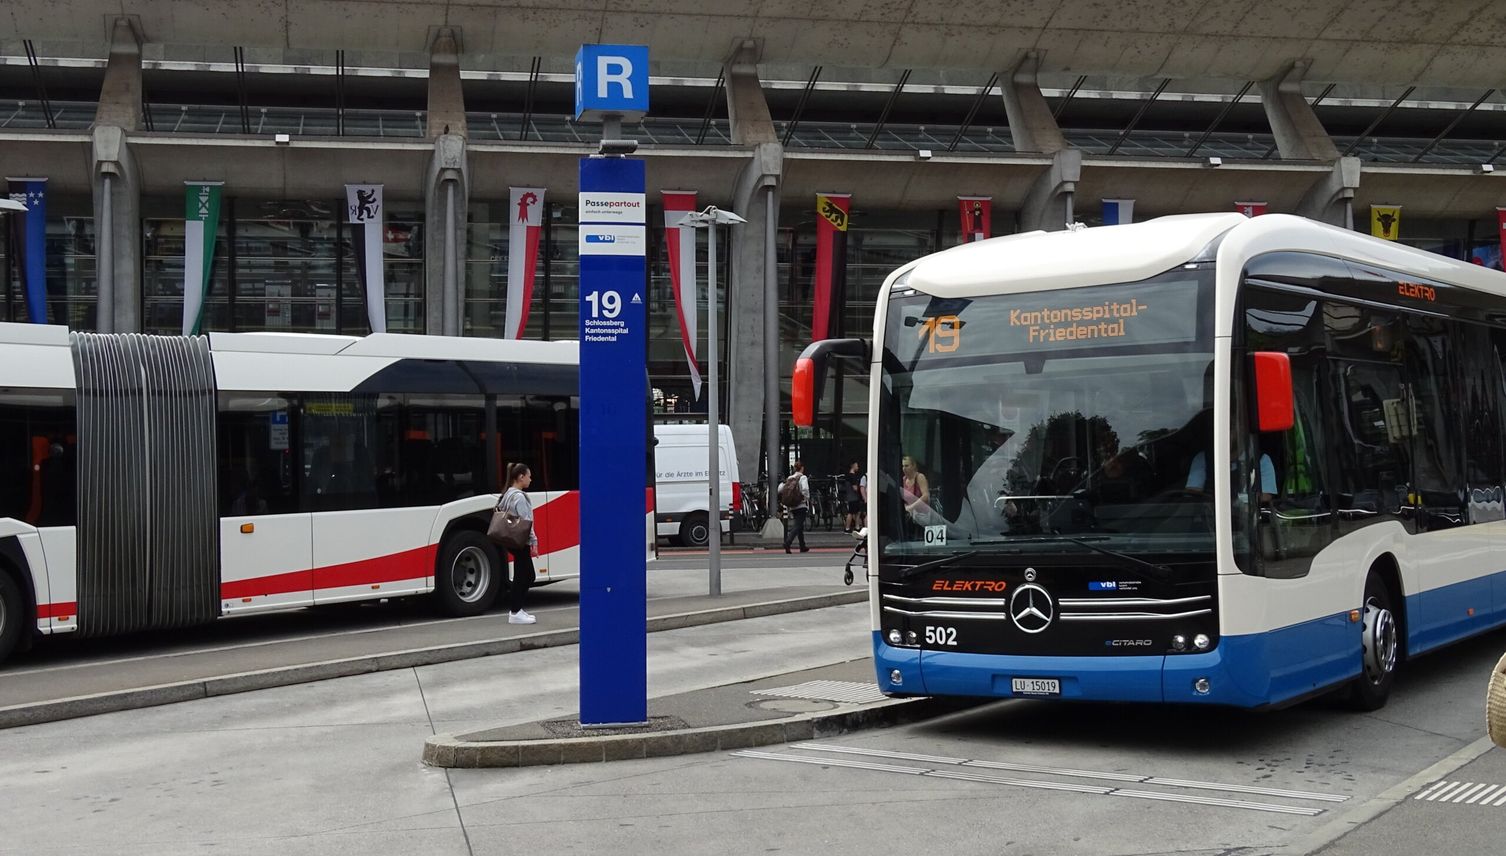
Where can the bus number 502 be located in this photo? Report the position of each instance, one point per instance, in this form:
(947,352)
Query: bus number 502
(941,636)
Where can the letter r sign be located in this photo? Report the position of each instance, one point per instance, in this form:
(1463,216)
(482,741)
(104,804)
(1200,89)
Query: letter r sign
(611,79)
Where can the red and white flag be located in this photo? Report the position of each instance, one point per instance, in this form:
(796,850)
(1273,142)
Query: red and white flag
(1250,209)
(680,240)
(527,218)
(977,218)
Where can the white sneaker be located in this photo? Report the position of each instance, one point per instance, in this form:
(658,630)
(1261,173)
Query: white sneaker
(520,617)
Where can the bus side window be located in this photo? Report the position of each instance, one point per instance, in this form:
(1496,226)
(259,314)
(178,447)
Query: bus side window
(38,457)
(1438,458)
(256,454)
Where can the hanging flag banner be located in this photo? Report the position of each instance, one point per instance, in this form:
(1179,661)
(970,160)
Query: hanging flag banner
(1385,221)
(831,263)
(201,223)
(527,207)
(680,241)
(977,218)
(1251,209)
(363,211)
(1118,212)
(1501,233)
(28,241)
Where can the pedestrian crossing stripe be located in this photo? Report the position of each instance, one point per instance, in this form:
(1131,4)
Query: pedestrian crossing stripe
(1466,793)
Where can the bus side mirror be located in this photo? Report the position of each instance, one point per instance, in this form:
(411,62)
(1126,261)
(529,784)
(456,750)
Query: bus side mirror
(810,374)
(1275,408)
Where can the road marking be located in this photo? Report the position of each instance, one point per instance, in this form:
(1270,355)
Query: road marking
(849,692)
(1467,793)
(1076,774)
(967,774)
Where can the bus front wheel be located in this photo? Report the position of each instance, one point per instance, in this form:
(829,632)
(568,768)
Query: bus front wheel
(1380,647)
(12,612)
(469,575)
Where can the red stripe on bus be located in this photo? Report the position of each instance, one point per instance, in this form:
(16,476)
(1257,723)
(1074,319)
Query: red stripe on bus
(57,610)
(407,565)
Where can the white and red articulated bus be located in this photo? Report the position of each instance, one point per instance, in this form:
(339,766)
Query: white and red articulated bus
(151,482)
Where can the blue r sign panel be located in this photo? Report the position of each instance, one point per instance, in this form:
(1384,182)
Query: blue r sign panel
(613,443)
(611,80)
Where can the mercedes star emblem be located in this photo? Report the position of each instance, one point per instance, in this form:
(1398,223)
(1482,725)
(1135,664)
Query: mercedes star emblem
(1030,608)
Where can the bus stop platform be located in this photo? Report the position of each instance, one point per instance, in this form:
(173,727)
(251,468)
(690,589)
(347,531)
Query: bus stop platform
(802,705)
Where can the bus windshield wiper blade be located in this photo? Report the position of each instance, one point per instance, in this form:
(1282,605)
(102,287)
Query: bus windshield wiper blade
(1160,572)
(934,565)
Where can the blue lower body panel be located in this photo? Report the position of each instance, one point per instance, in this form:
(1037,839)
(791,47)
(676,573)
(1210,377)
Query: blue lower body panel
(1243,671)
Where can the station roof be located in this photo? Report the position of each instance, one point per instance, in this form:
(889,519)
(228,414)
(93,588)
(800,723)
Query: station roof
(1379,42)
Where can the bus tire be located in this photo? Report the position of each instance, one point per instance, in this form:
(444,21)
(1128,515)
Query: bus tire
(12,615)
(469,575)
(695,531)
(1380,648)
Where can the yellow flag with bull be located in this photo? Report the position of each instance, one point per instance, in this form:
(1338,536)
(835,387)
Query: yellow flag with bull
(1385,221)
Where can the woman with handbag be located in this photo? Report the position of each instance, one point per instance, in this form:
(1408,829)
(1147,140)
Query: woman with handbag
(517,537)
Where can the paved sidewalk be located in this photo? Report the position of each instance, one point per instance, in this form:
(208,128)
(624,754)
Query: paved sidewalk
(797,705)
(67,689)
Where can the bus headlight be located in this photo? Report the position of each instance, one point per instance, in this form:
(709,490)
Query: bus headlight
(1179,643)
(895,638)
(896,678)
(1201,686)
(1201,642)
(912,637)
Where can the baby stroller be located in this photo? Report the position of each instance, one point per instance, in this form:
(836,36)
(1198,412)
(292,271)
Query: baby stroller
(859,555)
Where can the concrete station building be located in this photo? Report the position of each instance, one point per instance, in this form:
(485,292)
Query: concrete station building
(1048,107)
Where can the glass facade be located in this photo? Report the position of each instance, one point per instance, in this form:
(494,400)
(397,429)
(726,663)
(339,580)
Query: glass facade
(289,265)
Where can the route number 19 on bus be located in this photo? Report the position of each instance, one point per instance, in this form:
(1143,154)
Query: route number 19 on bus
(605,304)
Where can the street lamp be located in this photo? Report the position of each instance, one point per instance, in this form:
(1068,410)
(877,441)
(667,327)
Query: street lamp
(709,219)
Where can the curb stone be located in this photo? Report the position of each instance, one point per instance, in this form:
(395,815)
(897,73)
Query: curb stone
(454,751)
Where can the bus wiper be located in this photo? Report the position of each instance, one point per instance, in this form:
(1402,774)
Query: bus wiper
(934,565)
(1159,572)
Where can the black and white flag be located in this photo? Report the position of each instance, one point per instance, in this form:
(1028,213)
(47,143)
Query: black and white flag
(363,209)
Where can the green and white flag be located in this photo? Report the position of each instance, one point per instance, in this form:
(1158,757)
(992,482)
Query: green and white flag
(201,222)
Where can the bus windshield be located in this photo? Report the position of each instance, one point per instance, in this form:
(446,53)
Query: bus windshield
(1080,418)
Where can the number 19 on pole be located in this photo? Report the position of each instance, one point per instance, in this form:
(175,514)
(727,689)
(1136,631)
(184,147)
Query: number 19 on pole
(605,304)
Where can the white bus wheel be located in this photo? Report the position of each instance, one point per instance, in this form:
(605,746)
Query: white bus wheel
(1380,648)
(470,572)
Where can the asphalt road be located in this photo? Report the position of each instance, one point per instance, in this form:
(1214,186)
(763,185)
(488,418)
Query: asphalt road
(332,768)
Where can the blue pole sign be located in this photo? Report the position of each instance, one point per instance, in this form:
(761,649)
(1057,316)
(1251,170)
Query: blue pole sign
(611,81)
(613,443)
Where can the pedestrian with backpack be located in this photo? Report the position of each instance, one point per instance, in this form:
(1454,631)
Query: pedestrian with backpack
(795,494)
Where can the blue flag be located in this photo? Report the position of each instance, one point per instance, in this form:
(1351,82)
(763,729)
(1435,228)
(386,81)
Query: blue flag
(28,243)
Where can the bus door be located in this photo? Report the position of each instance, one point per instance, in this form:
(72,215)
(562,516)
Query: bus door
(266,540)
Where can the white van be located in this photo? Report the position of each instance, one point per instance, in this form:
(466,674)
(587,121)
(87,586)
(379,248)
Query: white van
(680,492)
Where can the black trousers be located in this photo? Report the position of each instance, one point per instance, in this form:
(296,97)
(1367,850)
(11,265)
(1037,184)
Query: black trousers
(522,579)
(797,527)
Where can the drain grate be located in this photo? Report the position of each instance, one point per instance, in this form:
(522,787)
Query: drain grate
(1468,793)
(846,692)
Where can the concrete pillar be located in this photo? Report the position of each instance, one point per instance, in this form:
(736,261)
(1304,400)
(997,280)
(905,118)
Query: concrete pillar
(117,186)
(752,301)
(446,197)
(1031,125)
(1049,205)
(446,99)
(1299,134)
(446,189)
(1331,197)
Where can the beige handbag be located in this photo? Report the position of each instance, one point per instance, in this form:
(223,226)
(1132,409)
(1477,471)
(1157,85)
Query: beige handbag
(1495,704)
